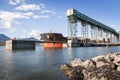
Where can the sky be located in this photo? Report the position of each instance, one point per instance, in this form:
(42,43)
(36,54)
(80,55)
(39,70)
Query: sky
(26,18)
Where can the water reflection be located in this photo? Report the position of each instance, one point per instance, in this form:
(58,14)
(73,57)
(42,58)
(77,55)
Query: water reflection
(18,50)
(9,66)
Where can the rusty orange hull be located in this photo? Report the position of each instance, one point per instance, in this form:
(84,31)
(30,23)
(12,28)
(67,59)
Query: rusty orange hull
(53,45)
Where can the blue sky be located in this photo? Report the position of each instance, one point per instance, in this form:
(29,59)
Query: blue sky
(25,18)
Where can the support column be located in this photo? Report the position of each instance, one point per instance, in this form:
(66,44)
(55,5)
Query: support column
(99,34)
(111,40)
(93,33)
(109,37)
(115,38)
(96,33)
(106,36)
(84,29)
(72,31)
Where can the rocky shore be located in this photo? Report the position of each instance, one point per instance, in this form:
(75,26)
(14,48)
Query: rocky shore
(104,67)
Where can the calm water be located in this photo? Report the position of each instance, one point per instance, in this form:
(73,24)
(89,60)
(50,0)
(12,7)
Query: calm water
(43,64)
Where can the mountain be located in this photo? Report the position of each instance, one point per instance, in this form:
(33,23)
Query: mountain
(32,39)
(29,39)
(3,38)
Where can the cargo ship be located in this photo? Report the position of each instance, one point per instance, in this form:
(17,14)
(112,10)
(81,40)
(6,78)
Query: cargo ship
(53,40)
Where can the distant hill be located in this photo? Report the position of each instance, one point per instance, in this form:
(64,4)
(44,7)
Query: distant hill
(32,39)
(3,38)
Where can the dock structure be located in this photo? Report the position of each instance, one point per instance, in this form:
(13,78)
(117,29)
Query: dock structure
(90,28)
(19,44)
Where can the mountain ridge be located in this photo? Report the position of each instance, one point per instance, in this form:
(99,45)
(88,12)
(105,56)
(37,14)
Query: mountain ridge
(4,38)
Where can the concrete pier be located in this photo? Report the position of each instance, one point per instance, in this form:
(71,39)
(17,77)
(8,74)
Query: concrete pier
(19,44)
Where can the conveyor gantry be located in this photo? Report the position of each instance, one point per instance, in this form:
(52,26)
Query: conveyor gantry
(74,16)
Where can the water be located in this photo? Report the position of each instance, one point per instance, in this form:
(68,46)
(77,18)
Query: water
(43,64)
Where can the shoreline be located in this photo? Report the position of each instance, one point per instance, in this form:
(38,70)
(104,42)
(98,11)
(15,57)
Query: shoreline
(103,67)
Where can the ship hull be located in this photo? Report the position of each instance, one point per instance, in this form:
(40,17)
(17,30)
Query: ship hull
(53,40)
(53,45)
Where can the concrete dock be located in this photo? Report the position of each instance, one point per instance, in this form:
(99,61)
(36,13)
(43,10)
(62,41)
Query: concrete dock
(19,44)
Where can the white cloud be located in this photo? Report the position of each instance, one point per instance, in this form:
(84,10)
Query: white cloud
(36,16)
(42,5)
(40,16)
(27,14)
(35,33)
(28,7)
(8,19)
(44,16)
(15,2)
(47,11)
(33,7)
